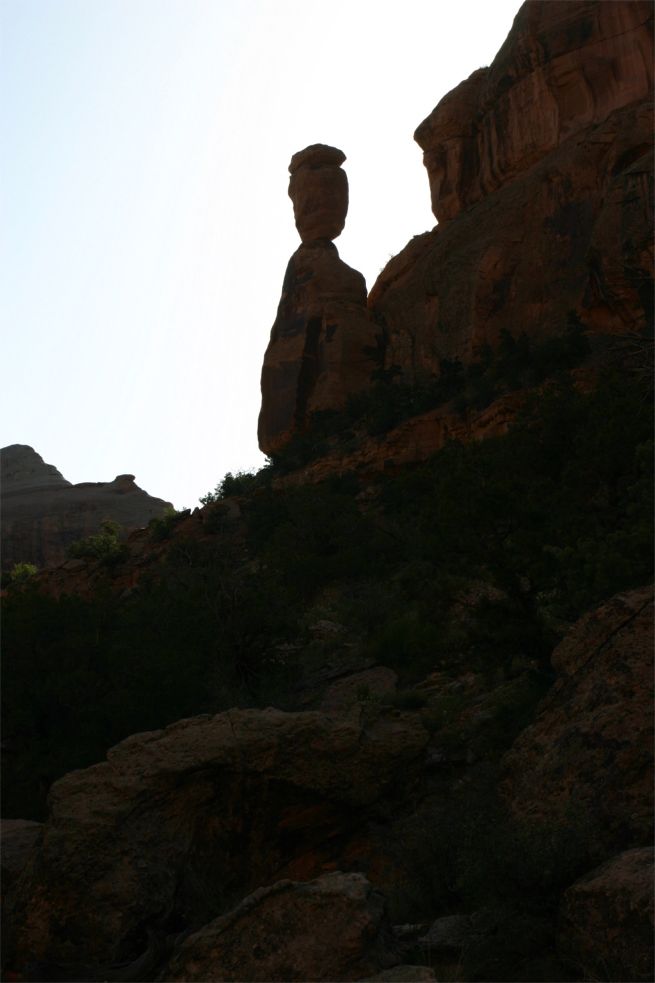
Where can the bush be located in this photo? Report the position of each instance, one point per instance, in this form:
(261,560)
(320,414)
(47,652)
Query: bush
(22,573)
(104,546)
(240,483)
(162,526)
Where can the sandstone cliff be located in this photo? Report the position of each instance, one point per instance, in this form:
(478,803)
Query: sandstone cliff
(42,513)
(540,171)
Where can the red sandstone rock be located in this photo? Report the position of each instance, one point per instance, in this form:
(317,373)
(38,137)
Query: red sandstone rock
(318,189)
(329,929)
(588,757)
(564,67)
(322,344)
(540,170)
(178,825)
(606,919)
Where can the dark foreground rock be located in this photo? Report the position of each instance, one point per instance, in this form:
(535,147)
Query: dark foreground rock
(588,757)
(606,919)
(332,928)
(177,826)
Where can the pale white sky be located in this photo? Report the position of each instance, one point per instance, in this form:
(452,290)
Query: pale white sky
(146,226)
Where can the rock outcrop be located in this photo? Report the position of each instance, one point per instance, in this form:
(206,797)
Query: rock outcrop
(179,825)
(540,171)
(588,757)
(323,342)
(42,513)
(606,919)
(332,928)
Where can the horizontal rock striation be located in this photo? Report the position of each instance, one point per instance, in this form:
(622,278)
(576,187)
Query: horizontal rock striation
(540,171)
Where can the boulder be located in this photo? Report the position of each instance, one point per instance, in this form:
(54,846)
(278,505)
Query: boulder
(331,928)
(588,756)
(606,919)
(318,188)
(177,826)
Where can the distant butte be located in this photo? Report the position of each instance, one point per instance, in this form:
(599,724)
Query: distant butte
(43,513)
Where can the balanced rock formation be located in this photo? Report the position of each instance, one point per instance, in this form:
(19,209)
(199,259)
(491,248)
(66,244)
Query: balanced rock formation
(540,171)
(323,342)
(177,826)
(42,513)
(318,188)
(588,757)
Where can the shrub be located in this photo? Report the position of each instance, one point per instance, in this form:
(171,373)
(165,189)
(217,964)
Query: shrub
(161,527)
(22,573)
(104,546)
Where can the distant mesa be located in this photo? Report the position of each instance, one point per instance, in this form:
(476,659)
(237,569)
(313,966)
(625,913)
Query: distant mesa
(43,513)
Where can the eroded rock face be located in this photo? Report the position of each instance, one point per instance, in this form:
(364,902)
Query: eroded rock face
(331,928)
(540,170)
(606,919)
(588,757)
(318,188)
(178,825)
(322,344)
(42,513)
(564,67)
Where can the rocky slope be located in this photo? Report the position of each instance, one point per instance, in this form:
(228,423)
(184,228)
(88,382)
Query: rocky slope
(178,826)
(42,513)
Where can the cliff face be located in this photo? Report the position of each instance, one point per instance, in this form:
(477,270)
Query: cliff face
(540,171)
(42,513)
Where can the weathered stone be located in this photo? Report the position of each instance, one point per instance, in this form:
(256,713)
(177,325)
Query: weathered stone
(332,928)
(541,176)
(318,188)
(42,513)
(322,344)
(178,825)
(446,934)
(563,68)
(588,756)
(606,919)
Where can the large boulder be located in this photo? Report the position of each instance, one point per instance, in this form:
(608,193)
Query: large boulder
(43,513)
(588,757)
(331,928)
(318,188)
(176,826)
(606,919)
(540,171)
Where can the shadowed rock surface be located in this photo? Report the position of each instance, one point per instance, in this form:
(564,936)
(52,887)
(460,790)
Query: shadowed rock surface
(332,928)
(589,753)
(179,824)
(606,919)
(42,513)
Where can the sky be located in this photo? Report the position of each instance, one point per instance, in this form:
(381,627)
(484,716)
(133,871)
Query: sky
(145,220)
